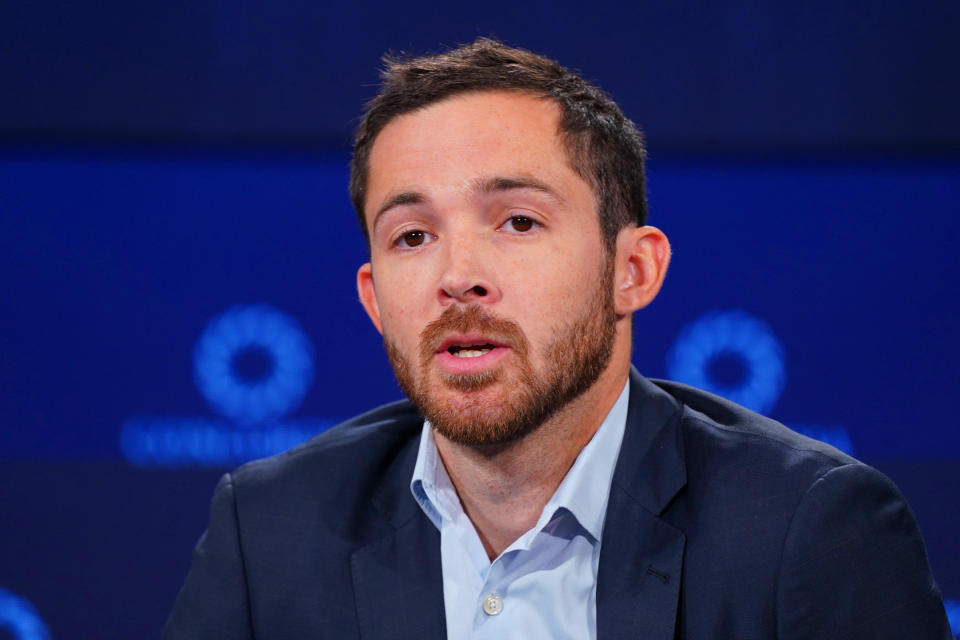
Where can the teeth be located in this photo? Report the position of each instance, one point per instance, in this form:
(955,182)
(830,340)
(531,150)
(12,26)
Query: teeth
(471,353)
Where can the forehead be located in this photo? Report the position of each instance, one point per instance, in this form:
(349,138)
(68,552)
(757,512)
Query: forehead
(455,140)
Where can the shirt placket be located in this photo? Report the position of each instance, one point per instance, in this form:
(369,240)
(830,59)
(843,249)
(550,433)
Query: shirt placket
(491,610)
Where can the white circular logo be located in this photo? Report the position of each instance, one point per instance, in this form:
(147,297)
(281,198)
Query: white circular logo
(19,616)
(268,336)
(720,333)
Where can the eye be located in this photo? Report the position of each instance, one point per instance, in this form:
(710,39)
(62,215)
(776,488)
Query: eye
(412,239)
(520,224)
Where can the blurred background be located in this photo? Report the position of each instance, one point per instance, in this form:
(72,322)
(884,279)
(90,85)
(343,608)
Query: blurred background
(177,250)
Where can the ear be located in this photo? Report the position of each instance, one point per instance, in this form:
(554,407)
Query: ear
(643,255)
(368,294)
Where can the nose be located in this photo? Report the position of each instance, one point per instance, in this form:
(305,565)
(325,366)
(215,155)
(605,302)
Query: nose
(466,276)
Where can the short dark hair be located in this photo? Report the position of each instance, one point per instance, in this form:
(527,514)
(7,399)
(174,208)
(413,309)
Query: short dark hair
(604,147)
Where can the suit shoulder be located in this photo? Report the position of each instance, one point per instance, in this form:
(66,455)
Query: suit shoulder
(360,448)
(833,549)
(854,537)
(723,438)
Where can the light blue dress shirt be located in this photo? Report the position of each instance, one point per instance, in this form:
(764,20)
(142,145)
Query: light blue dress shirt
(544,584)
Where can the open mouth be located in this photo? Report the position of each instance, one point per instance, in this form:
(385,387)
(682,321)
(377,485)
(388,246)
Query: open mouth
(469,354)
(469,351)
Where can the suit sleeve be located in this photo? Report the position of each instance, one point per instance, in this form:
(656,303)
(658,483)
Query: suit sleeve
(854,565)
(213,602)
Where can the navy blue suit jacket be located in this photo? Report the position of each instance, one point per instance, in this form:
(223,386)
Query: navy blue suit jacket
(721,525)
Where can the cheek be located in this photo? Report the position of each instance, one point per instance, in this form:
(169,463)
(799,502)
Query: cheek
(402,306)
(397,321)
(558,282)
(553,299)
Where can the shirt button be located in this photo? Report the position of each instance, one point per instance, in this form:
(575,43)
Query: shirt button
(492,605)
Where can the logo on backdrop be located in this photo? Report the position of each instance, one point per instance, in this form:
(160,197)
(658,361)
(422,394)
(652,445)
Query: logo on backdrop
(20,618)
(275,354)
(254,365)
(737,356)
(953,615)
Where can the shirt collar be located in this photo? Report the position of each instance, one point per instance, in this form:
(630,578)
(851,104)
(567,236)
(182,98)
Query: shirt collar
(430,485)
(584,491)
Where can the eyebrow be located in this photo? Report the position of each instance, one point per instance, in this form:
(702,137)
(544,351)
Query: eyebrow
(496,184)
(480,186)
(407,197)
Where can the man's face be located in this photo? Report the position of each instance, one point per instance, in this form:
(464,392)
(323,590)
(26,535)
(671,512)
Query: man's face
(489,279)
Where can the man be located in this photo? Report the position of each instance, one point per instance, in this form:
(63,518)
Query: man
(535,486)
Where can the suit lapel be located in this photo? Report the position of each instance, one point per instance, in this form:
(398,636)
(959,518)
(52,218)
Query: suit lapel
(398,584)
(397,578)
(641,555)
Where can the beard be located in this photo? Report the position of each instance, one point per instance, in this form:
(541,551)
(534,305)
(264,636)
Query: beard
(575,357)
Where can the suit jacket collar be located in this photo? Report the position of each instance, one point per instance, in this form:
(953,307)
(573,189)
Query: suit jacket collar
(641,556)
(398,579)
(651,467)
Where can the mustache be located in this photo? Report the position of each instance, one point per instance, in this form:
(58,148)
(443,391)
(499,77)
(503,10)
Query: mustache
(471,319)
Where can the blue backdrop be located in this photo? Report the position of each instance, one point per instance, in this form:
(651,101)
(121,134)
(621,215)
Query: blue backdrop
(177,254)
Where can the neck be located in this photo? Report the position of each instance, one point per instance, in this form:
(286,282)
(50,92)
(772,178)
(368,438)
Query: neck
(504,488)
